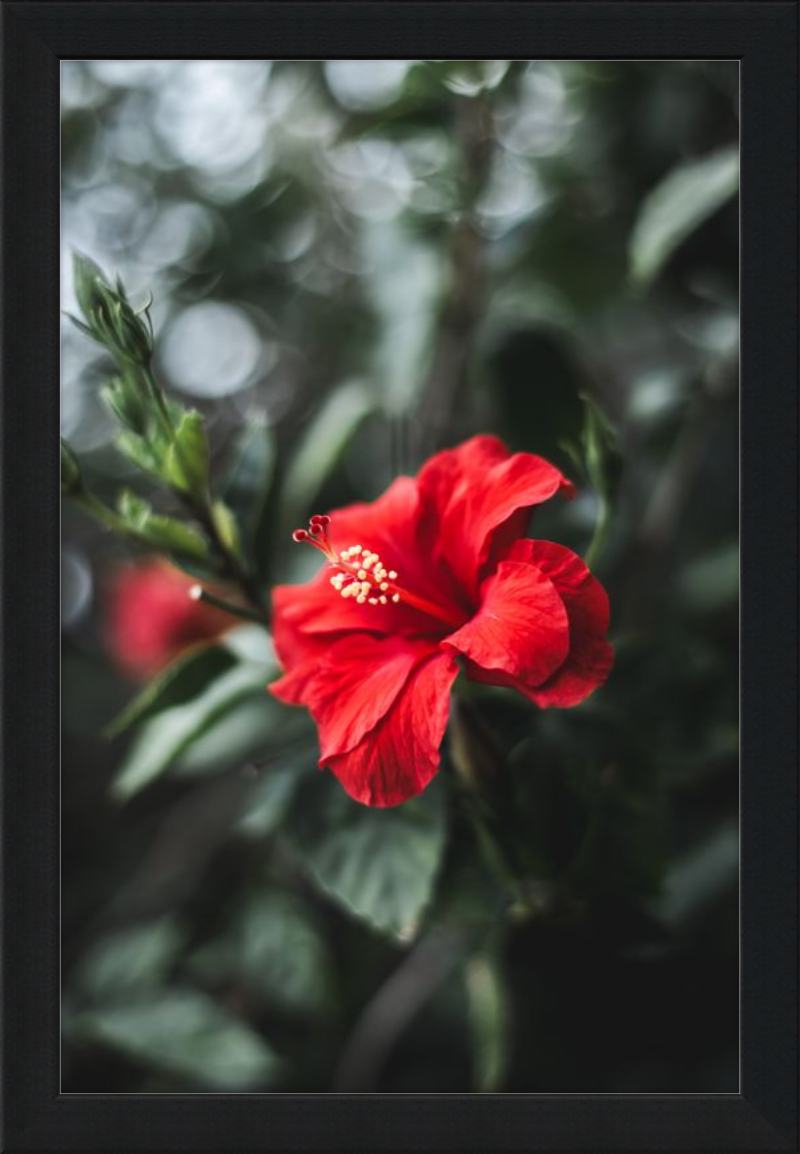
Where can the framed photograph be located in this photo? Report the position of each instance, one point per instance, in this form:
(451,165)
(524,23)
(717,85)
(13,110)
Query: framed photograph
(399,683)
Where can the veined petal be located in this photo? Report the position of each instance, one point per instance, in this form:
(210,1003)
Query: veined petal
(590,656)
(521,629)
(472,497)
(351,685)
(400,755)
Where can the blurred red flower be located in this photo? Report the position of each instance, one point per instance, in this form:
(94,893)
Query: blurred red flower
(150,617)
(434,571)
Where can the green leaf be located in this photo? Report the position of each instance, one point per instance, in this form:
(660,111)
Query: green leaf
(185,1033)
(163,533)
(325,440)
(181,681)
(379,864)
(273,795)
(186,460)
(246,490)
(130,961)
(277,948)
(141,454)
(165,737)
(227,528)
(134,509)
(684,199)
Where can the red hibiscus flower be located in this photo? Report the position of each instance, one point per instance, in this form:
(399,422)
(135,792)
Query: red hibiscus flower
(431,574)
(151,618)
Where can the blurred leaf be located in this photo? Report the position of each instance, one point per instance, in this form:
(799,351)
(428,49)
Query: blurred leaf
(684,199)
(169,734)
(183,679)
(489,1021)
(272,796)
(275,947)
(186,461)
(132,961)
(140,453)
(165,533)
(187,1034)
(70,470)
(700,877)
(711,583)
(380,864)
(324,442)
(246,489)
(227,528)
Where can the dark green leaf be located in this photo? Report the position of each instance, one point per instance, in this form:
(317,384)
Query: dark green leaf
(187,1034)
(165,737)
(276,947)
(379,864)
(131,961)
(182,680)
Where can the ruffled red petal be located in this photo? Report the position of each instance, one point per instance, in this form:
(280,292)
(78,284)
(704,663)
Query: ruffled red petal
(351,685)
(590,657)
(473,498)
(400,755)
(521,629)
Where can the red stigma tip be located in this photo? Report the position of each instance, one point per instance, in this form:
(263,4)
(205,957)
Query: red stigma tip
(323,520)
(299,535)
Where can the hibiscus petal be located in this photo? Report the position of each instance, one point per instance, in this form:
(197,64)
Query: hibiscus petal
(400,755)
(351,685)
(472,498)
(590,657)
(521,629)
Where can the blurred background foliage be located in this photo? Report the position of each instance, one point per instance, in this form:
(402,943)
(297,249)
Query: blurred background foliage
(354,263)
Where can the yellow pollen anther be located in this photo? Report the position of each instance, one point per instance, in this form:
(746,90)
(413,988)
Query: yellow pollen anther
(396,598)
(373,600)
(361,599)
(362,573)
(392,575)
(384,586)
(382,600)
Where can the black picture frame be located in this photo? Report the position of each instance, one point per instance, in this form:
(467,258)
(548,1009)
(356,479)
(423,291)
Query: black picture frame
(35,37)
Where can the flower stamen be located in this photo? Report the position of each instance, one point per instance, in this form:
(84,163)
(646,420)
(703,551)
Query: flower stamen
(360,573)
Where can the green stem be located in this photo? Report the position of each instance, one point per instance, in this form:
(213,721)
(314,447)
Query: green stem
(600,536)
(198,593)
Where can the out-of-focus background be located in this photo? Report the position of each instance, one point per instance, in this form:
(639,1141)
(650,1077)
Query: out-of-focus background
(359,262)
